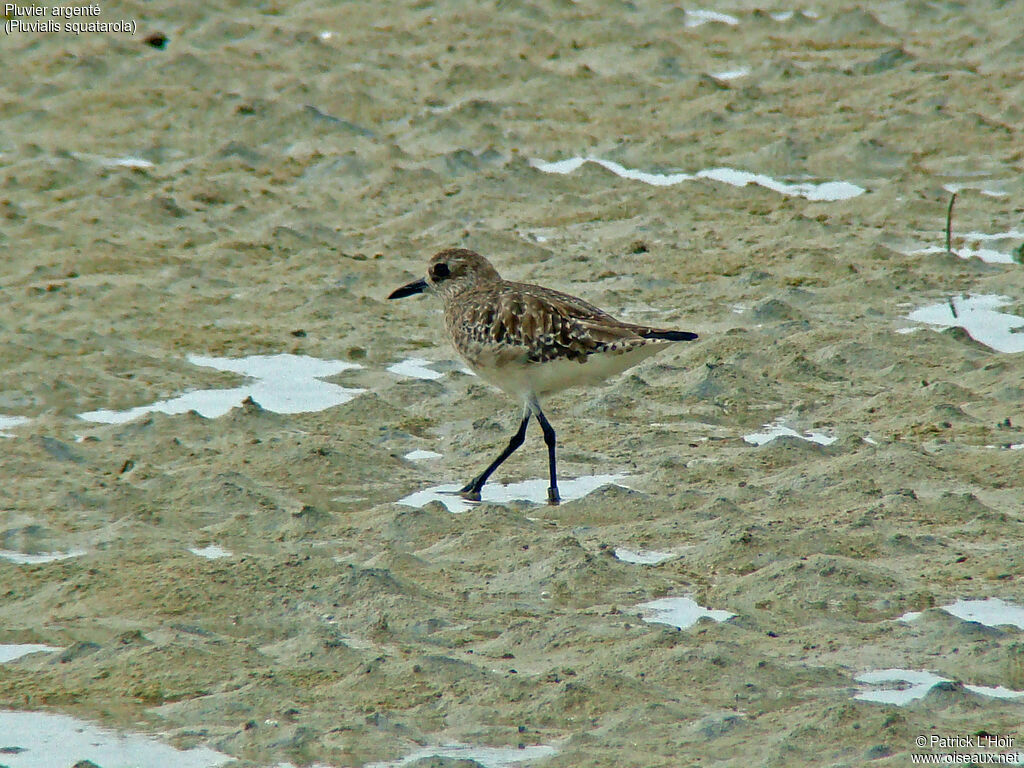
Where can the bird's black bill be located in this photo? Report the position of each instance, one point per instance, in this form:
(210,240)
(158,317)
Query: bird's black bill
(411,289)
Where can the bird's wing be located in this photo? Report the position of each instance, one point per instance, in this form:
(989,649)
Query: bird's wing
(545,325)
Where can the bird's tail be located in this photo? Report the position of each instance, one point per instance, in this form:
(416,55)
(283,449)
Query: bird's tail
(654,333)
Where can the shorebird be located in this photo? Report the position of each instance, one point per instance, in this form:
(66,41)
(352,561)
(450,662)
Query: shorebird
(529,341)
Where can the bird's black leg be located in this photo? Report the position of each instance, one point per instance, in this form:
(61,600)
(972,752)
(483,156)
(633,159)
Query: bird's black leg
(472,489)
(549,439)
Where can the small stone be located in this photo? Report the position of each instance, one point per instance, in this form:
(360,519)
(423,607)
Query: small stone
(157,39)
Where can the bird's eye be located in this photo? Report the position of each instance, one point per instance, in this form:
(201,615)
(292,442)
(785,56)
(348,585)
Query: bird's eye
(439,271)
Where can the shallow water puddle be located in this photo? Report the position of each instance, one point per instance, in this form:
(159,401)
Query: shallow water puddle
(642,556)
(778,429)
(9,422)
(992,612)
(422,455)
(680,612)
(535,491)
(23,558)
(12,652)
(787,15)
(827,191)
(698,17)
(994,692)
(415,368)
(127,161)
(44,740)
(972,249)
(914,684)
(1010,234)
(987,187)
(489,757)
(991,255)
(212,552)
(988,255)
(731,74)
(283,384)
(977,315)
(418,368)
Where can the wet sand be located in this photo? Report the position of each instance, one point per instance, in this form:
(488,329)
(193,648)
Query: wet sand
(260,184)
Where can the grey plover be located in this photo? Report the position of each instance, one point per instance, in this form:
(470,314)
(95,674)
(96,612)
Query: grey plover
(530,341)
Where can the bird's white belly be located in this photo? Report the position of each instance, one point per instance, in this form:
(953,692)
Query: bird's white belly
(521,379)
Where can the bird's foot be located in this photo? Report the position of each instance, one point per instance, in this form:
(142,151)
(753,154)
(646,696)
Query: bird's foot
(470,492)
(553,497)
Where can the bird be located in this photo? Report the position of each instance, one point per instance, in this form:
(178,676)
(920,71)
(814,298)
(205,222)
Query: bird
(529,341)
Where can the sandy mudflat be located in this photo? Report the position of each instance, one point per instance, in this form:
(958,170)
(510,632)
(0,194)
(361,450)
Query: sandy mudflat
(260,184)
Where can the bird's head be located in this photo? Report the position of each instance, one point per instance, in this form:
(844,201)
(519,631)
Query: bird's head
(449,272)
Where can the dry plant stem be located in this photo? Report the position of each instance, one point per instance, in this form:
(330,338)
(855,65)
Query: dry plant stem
(949,223)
